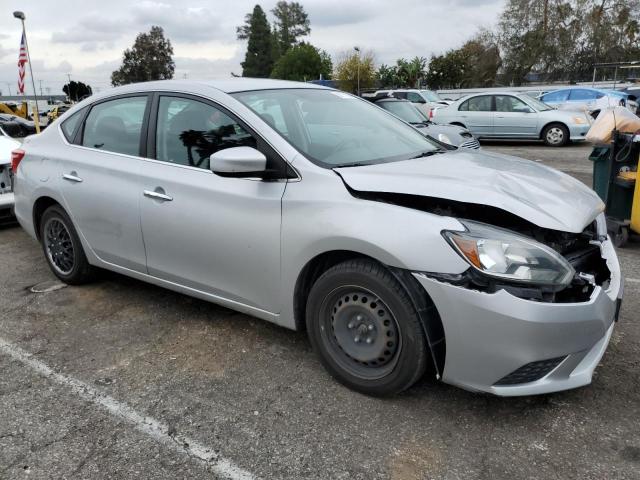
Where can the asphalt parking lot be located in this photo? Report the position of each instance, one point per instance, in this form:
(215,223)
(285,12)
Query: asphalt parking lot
(120,379)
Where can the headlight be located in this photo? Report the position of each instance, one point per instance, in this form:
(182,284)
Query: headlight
(444,138)
(580,120)
(505,255)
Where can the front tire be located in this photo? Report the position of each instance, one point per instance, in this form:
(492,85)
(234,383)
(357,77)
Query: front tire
(555,135)
(62,248)
(364,327)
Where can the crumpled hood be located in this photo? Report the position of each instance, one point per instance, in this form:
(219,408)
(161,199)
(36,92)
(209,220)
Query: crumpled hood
(543,196)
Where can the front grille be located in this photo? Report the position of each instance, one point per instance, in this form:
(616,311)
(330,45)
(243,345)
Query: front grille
(473,143)
(530,372)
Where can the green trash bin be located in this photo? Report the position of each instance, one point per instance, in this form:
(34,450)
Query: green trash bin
(608,162)
(600,157)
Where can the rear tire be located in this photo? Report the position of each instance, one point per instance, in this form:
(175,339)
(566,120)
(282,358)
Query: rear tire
(364,327)
(555,135)
(62,248)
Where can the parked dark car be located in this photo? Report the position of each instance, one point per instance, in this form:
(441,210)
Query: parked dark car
(407,111)
(16,126)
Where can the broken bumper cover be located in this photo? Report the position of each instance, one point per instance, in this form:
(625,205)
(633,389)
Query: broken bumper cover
(489,336)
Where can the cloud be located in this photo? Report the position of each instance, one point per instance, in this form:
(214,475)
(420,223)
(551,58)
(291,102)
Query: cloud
(190,24)
(336,13)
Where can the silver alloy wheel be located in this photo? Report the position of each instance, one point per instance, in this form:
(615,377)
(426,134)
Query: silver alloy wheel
(360,332)
(555,136)
(58,245)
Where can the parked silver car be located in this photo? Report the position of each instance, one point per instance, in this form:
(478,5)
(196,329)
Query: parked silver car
(314,209)
(512,115)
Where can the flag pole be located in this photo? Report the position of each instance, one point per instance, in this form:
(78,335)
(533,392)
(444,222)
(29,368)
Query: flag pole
(36,119)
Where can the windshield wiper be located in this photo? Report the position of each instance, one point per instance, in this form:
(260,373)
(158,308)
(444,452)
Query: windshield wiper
(428,153)
(346,165)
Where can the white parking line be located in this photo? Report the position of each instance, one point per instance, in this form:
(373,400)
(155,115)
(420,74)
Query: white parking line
(632,280)
(147,425)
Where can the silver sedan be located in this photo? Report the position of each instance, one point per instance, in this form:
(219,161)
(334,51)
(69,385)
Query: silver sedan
(517,116)
(316,210)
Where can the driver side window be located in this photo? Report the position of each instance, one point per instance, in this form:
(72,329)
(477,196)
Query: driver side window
(188,132)
(507,103)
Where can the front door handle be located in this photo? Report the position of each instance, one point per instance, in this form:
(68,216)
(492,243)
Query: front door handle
(157,195)
(72,177)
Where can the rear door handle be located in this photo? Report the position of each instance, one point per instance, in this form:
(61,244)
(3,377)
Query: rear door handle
(158,195)
(72,177)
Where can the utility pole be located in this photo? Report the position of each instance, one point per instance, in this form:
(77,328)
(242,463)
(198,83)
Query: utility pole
(20,15)
(9,87)
(357,49)
(69,87)
(41,94)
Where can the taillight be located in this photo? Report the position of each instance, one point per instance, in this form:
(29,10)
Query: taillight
(16,158)
(431,114)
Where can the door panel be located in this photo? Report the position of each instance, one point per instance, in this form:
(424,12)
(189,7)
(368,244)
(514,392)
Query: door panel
(101,188)
(101,192)
(216,234)
(219,235)
(514,118)
(477,115)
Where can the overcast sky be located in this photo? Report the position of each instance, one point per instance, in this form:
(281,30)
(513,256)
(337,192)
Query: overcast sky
(86,38)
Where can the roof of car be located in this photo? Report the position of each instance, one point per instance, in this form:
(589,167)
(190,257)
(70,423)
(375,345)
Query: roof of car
(229,85)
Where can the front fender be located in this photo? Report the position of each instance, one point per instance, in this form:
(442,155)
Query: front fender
(319,215)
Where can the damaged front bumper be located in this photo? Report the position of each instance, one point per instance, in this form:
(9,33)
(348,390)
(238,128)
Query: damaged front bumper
(505,345)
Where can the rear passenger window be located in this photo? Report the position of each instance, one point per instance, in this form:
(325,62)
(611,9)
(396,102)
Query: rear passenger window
(189,132)
(579,94)
(558,96)
(477,104)
(116,125)
(70,125)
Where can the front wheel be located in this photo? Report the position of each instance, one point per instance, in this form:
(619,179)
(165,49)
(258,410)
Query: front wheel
(365,329)
(556,135)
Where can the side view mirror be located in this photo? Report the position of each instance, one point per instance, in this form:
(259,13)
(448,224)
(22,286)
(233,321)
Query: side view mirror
(238,162)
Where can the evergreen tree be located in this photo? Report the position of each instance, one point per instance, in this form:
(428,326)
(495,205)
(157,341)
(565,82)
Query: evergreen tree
(150,58)
(303,62)
(291,22)
(258,61)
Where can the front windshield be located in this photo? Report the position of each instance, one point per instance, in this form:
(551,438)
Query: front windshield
(333,128)
(538,105)
(431,96)
(405,110)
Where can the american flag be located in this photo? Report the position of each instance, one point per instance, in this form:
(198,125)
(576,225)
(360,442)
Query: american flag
(22,59)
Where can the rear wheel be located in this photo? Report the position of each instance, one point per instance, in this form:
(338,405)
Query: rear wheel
(364,328)
(555,135)
(62,247)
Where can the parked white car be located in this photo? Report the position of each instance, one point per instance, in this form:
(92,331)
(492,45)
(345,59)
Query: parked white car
(425,100)
(7,145)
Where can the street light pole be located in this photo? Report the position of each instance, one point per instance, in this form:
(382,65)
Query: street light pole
(357,49)
(20,15)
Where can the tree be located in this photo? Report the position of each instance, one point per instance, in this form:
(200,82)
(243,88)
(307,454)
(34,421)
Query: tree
(562,39)
(447,70)
(258,60)
(77,90)
(291,22)
(350,67)
(150,58)
(475,64)
(303,62)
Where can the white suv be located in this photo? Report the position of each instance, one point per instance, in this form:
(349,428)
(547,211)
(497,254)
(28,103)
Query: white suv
(425,100)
